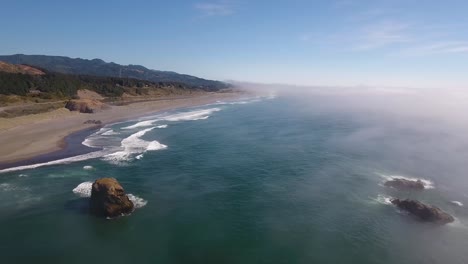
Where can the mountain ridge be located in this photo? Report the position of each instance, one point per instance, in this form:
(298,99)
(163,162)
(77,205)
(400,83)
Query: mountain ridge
(99,67)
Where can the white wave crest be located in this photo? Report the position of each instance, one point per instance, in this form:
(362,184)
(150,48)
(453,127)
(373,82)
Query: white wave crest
(161,126)
(134,145)
(428,184)
(457,203)
(191,115)
(88,167)
(383,199)
(110,133)
(247,101)
(92,155)
(146,123)
(83,189)
(137,201)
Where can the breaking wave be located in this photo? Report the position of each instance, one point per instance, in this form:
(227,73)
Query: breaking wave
(383,199)
(114,149)
(146,123)
(83,189)
(137,201)
(110,133)
(132,146)
(191,115)
(92,155)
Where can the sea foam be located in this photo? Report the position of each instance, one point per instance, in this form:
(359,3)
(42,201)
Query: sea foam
(146,123)
(457,203)
(110,133)
(383,199)
(92,155)
(134,145)
(191,115)
(83,189)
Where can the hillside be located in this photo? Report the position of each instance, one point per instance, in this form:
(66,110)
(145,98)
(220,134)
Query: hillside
(23,69)
(97,67)
(15,80)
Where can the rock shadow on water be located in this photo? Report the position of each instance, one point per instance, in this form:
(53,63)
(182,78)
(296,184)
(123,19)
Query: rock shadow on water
(79,205)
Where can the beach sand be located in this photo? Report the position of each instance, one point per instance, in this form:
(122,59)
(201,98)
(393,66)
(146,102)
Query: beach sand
(28,136)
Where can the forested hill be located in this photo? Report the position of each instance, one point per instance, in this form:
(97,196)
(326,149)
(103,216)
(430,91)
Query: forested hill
(97,67)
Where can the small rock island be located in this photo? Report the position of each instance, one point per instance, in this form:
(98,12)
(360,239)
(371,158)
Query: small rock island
(426,213)
(108,199)
(405,184)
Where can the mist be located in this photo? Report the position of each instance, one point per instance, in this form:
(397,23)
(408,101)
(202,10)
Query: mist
(413,132)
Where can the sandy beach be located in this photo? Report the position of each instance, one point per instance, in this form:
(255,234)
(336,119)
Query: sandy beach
(28,136)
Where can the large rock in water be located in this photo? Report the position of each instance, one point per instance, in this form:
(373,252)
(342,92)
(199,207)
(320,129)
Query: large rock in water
(108,199)
(424,212)
(405,184)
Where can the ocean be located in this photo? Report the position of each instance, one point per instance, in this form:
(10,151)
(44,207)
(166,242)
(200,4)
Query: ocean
(263,179)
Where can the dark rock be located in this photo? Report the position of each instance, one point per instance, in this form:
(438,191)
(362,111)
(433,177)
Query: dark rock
(108,199)
(427,213)
(88,106)
(92,121)
(82,107)
(405,184)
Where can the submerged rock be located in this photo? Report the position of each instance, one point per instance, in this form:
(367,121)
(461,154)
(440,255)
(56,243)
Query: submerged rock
(405,184)
(108,199)
(424,212)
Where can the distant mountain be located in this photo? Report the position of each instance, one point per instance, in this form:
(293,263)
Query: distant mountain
(98,67)
(36,83)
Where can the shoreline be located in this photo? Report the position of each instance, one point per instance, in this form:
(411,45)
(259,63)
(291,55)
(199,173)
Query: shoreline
(70,147)
(48,138)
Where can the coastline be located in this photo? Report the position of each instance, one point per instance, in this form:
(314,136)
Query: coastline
(69,147)
(48,136)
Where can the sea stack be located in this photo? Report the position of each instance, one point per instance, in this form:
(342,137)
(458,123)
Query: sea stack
(108,199)
(405,184)
(427,213)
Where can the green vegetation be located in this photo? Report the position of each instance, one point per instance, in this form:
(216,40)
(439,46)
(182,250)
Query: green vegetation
(57,85)
(101,68)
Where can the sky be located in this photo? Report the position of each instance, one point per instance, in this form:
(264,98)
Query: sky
(385,43)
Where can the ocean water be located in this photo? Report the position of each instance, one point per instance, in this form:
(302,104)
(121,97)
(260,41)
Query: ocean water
(275,179)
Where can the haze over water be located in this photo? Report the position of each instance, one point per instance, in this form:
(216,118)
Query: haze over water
(288,179)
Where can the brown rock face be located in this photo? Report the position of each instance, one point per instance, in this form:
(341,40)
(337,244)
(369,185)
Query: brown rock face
(85,106)
(405,184)
(108,199)
(424,212)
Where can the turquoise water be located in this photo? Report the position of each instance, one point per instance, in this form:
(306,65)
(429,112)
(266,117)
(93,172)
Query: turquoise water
(264,180)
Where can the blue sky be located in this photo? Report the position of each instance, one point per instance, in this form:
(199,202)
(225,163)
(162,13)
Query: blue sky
(406,43)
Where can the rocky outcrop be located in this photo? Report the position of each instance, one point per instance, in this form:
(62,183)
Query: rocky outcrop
(85,105)
(405,184)
(108,199)
(92,121)
(427,213)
